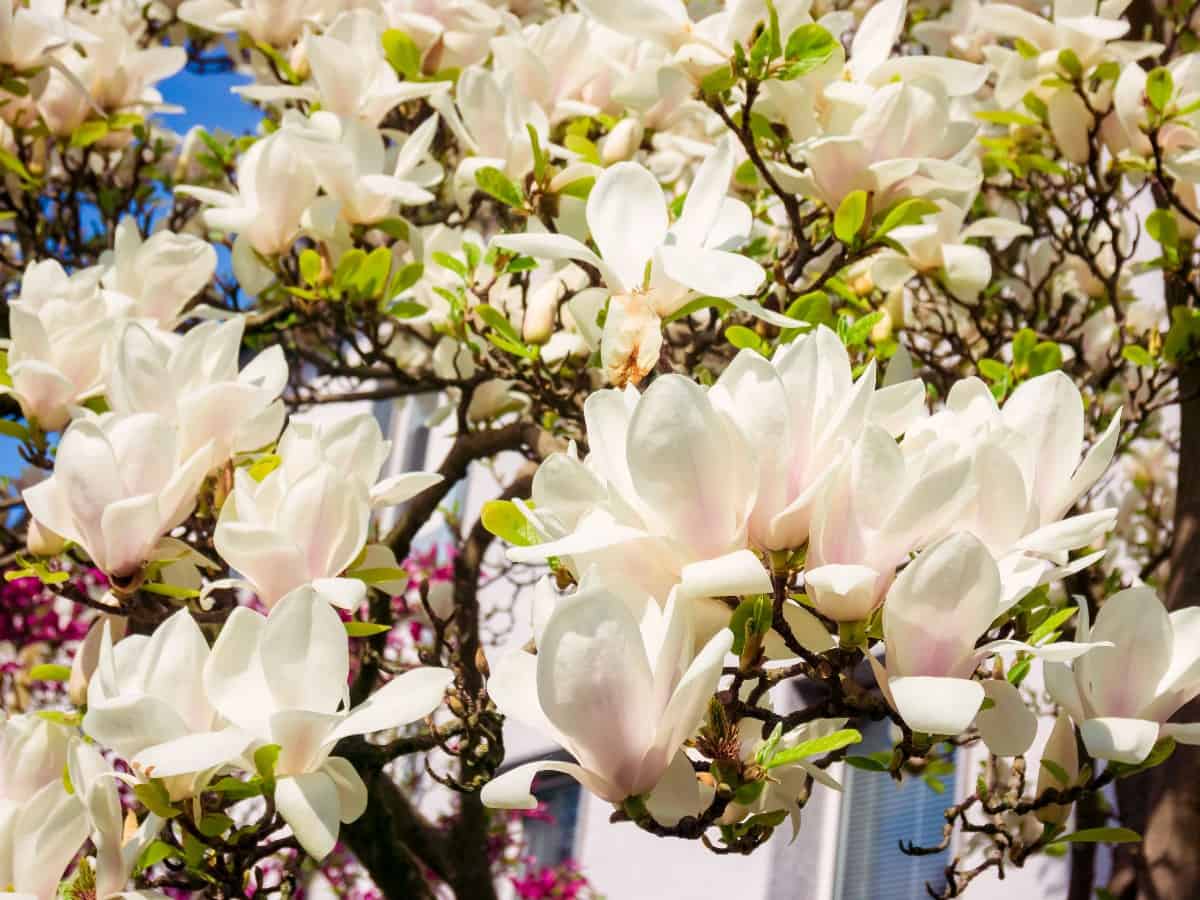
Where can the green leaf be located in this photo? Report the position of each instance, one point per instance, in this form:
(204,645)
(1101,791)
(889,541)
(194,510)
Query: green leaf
(1138,355)
(1046,357)
(742,338)
(718,81)
(1018,672)
(365,629)
(497,320)
(89,132)
(156,853)
(1184,335)
(347,268)
(1005,117)
(1069,63)
(265,759)
(14,165)
(504,519)
(155,798)
(455,265)
(402,53)
(857,333)
(235,789)
(1161,226)
(539,155)
(808,48)
(866,763)
(14,430)
(214,824)
(170,590)
(405,278)
(816,747)
(496,184)
(752,616)
(310,266)
(406,309)
(50,672)
(372,275)
(1160,86)
(1051,624)
(578,143)
(1023,343)
(579,188)
(906,212)
(1099,835)
(850,216)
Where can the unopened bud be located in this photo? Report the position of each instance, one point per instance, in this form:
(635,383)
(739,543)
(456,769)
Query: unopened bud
(622,142)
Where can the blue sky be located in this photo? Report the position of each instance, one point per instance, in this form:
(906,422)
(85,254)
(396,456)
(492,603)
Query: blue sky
(208,102)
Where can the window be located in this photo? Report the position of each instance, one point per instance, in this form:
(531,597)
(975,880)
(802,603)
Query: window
(550,839)
(877,813)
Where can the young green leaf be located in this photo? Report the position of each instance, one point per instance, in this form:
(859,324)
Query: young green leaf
(850,216)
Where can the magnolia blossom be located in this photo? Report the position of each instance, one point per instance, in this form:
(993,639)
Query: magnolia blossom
(61,326)
(365,181)
(450,33)
(118,486)
(41,826)
(619,684)
(117,74)
(939,244)
(159,275)
(281,679)
(874,510)
(307,520)
(1122,694)
(801,411)
(933,618)
(652,268)
(276,22)
(196,386)
(146,701)
(276,182)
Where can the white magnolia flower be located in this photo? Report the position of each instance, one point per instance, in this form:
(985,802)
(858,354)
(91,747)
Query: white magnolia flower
(59,353)
(939,244)
(871,513)
(117,74)
(351,77)
(451,34)
(281,679)
(275,22)
(651,267)
(146,702)
(934,616)
(611,648)
(118,487)
(801,411)
(161,274)
(194,384)
(365,181)
(32,31)
(307,521)
(1122,695)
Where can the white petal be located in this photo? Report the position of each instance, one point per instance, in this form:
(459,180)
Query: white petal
(716,273)
(513,789)
(192,753)
(627,215)
(1009,727)
(403,487)
(1119,740)
(407,698)
(352,793)
(940,706)
(309,803)
(735,574)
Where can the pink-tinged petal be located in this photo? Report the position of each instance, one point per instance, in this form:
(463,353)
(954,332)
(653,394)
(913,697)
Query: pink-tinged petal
(939,706)
(310,804)
(595,683)
(1123,679)
(400,488)
(735,574)
(48,832)
(875,37)
(302,736)
(844,593)
(1118,739)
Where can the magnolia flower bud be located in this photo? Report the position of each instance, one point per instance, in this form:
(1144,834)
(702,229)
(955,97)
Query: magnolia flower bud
(87,657)
(631,340)
(843,593)
(540,311)
(1062,752)
(41,541)
(622,142)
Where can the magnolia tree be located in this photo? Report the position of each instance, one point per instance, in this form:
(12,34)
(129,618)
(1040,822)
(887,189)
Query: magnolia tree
(843,349)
